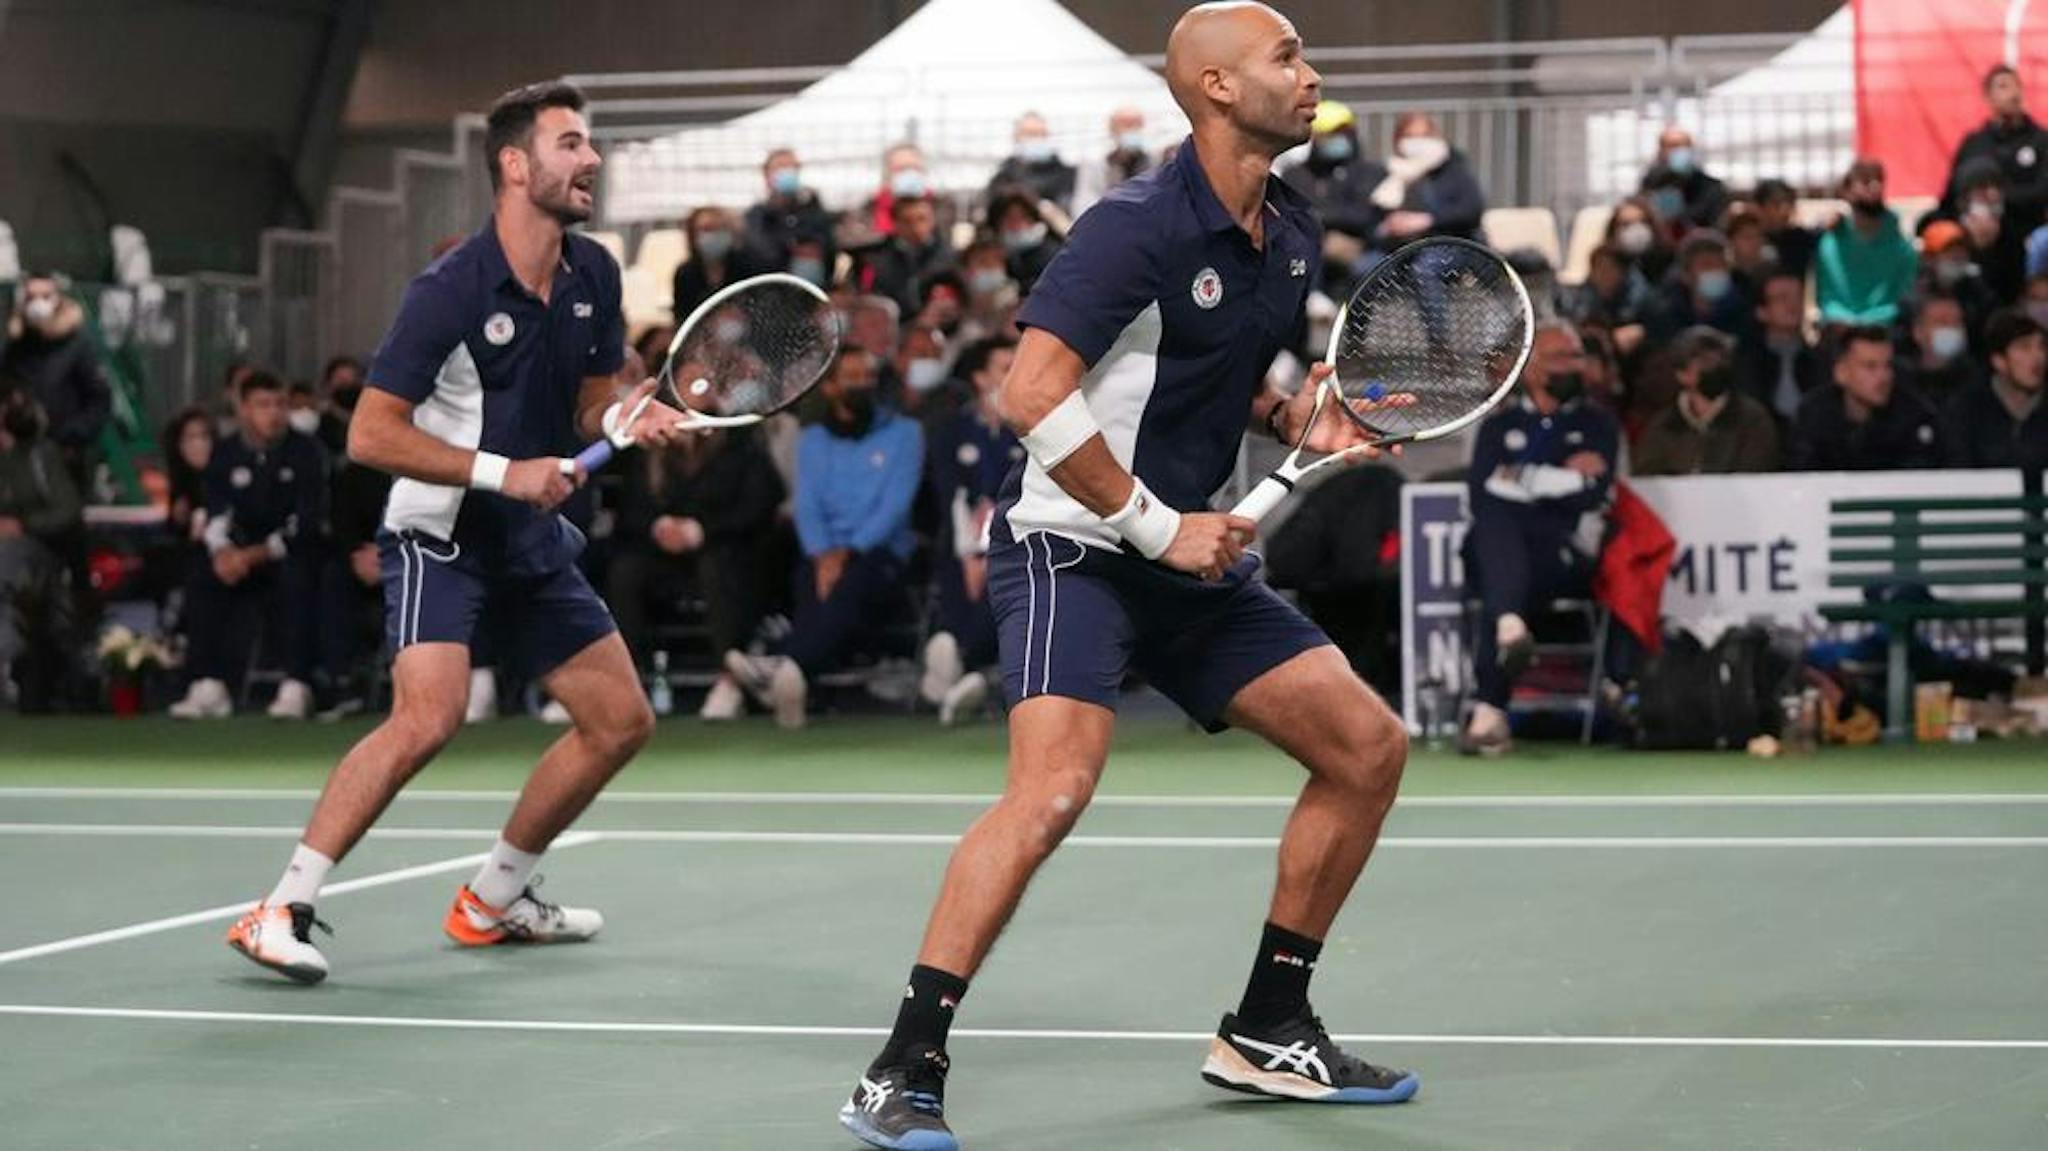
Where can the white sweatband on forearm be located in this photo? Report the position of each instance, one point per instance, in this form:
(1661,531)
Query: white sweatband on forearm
(1063,430)
(609,422)
(1145,522)
(487,474)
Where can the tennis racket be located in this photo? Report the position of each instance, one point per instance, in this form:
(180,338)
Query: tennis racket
(1431,339)
(755,347)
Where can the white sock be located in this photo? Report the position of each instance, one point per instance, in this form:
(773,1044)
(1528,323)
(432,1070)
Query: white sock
(504,874)
(302,878)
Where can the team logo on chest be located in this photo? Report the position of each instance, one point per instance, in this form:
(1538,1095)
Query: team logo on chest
(498,329)
(1207,289)
(1296,269)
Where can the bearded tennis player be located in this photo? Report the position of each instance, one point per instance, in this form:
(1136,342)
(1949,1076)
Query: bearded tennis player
(1142,364)
(500,363)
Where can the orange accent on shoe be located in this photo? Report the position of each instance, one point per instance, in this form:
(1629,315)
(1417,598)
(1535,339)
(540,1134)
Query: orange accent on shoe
(459,927)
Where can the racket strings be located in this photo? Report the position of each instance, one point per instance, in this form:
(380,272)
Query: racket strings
(1443,323)
(755,352)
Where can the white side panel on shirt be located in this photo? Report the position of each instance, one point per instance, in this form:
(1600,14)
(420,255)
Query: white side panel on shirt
(1117,390)
(454,414)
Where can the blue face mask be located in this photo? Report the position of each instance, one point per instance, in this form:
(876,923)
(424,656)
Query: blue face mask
(1681,161)
(1714,284)
(1131,141)
(714,245)
(808,268)
(786,181)
(908,184)
(1034,149)
(1668,203)
(1335,149)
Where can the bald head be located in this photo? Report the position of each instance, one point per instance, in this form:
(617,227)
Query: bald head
(1240,62)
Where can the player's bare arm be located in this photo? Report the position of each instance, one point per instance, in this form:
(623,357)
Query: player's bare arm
(382,436)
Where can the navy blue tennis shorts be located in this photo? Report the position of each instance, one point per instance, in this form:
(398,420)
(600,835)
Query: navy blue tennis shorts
(434,593)
(1074,619)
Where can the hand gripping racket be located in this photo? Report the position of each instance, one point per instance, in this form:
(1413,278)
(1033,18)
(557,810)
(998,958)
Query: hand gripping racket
(755,347)
(1442,328)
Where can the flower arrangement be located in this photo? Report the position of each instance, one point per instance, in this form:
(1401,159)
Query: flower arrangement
(124,653)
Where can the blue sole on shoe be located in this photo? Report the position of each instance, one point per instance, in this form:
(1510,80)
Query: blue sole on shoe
(910,1141)
(1400,1092)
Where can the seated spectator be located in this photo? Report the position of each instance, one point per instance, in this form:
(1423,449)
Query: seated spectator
(696,517)
(1339,552)
(905,176)
(790,215)
(1702,290)
(187,445)
(874,325)
(39,509)
(921,376)
(1127,157)
(1614,297)
(1777,204)
(1028,243)
(50,353)
(1634,232)
(898,266)
(2002,423)
(716,259)
(341,385)
(1749,249)
(857,473)
(1429,189)
(1941,364)
(971,454)
(1539,478)
(990,308)
(2013,144)
(265,490)
(1712,429)
(302,409)
(1678,187)
(2035,300)
(1034,163)
(1339,181)
(1864,266)
(351,588)
(1539,279)
(942,302)
(1999,251)
(1866,422)
(1946,268)
(1779,364)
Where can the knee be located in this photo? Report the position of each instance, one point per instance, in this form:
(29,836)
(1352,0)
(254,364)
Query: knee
(422,732)
(1051,806)
(619,737)
(1370,755)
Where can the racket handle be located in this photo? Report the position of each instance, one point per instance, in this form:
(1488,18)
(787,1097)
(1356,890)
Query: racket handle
(1263,498)
(597,455)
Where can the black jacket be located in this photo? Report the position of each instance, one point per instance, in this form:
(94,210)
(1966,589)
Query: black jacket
(1705,197)
(2021,153)
(1905,433)
(1050,179)
(274,496)
(1983,434)
(1758,367)
(892,269)
(733,493)
(60,367)
(693,283)
(774,225)
(1341,193)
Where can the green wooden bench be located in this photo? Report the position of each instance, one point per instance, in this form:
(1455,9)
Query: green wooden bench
(1943,543)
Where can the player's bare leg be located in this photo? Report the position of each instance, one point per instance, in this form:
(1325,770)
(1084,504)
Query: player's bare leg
(429,683)
(1317,710)
(610,722)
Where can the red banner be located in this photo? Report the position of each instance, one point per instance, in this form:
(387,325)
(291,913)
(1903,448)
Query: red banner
(1920,68)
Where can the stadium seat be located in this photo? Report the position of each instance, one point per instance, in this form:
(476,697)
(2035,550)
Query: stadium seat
(1911,210)
(1510,228)
(647,299)
(611,242)
(662,251)
(1589,227)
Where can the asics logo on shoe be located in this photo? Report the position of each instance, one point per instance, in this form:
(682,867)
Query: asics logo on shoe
(1298,1057)
(873,1094)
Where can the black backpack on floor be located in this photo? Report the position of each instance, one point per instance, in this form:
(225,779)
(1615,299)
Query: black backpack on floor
(1719,697)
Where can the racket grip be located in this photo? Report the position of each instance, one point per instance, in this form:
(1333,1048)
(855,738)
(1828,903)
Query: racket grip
(597,455)
(1262,499)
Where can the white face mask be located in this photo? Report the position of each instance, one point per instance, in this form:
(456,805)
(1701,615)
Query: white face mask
(304,421)
(1634,237)
(40,310)
(1429,151)
(923,374)
(1946,343)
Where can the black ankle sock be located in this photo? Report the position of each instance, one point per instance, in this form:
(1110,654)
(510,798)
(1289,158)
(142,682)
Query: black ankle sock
(1278,989)
(926,1014)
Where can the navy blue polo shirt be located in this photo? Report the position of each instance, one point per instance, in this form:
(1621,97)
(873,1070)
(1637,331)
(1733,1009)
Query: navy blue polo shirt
(1518,435)
(1178,316)
(491,366)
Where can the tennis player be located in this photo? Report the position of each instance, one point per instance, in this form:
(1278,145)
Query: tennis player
(1142,363)
(500,362)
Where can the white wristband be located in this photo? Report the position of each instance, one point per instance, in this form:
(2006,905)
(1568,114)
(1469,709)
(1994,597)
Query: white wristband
(609,422)
(1064,429)
(1145,522)
(487,474)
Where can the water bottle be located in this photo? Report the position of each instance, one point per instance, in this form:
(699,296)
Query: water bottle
(660,694)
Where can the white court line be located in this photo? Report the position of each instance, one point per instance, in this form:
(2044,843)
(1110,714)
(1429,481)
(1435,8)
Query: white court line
(915,839)
(740,1029)
(964,799)
(231,910)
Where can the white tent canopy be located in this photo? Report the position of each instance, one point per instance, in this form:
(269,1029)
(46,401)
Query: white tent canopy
(953,78)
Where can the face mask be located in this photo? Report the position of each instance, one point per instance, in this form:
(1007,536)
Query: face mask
(1987,209)
(1714,382)
(924,374)
(1131,141)
(1681,161)
(304,421)
(987,281)
(1945,344)
(1034,149)
(1635,237)
(728,330)
(1335,149)
(40,309)
(1949,273)
(1024,239)
(786,181)
(860,414)
(1714,284)
(908,184)
(809,268)
(345,398)
(1429,151)
(1564,387)
(1668,203)
(714,245)
(1768,254)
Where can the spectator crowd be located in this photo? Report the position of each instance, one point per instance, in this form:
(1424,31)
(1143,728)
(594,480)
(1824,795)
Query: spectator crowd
(1713,333)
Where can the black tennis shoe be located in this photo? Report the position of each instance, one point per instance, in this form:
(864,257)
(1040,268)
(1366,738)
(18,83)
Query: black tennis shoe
(1297,1059)
(902,1106)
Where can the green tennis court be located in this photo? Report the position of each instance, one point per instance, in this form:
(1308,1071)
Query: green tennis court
(1575,949)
